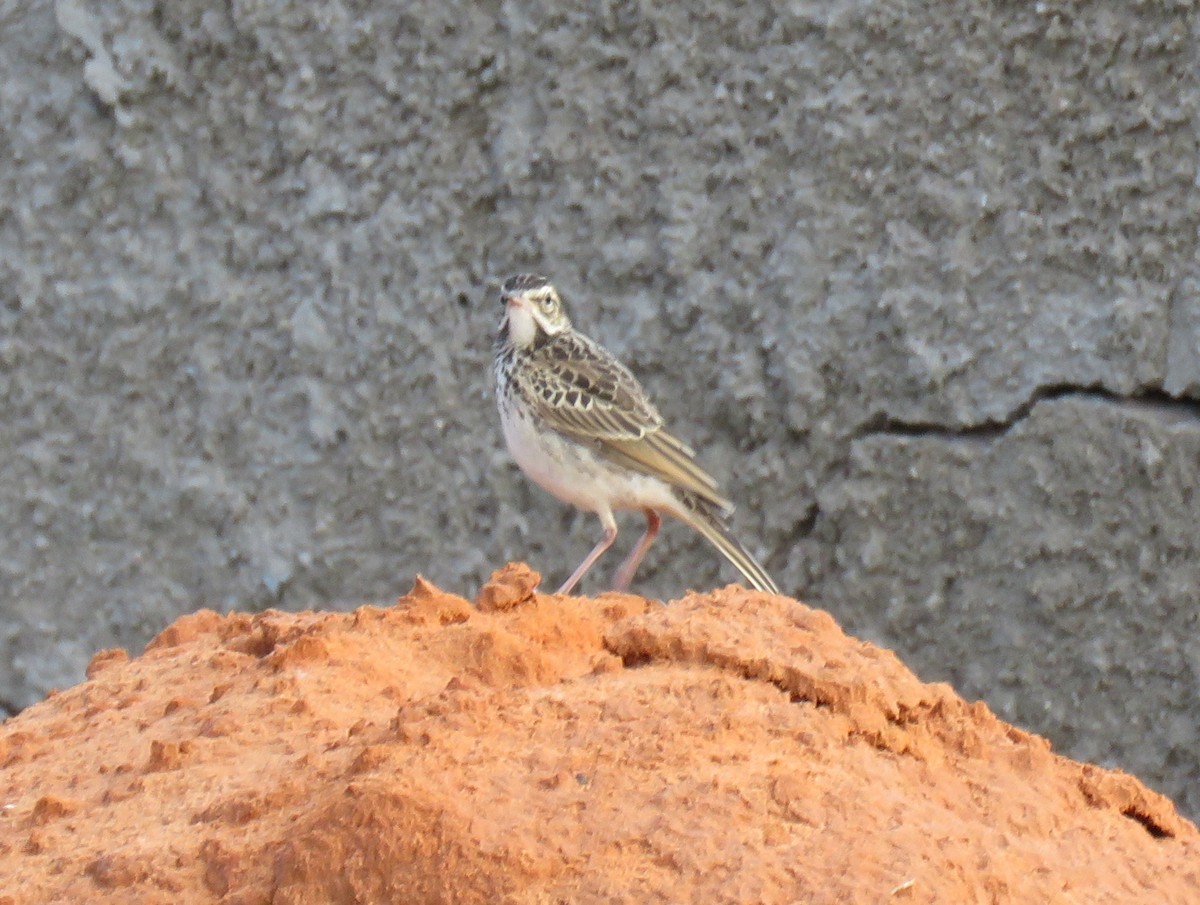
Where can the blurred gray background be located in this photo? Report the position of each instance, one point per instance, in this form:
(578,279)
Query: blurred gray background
(920,281)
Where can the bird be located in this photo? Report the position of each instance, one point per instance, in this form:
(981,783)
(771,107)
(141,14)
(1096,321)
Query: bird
(579,424)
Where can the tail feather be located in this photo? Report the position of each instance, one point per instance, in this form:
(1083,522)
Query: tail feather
(700,516)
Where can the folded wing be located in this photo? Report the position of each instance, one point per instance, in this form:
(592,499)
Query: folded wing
(582,391)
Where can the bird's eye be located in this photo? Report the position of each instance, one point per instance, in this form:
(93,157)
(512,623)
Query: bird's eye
(548,303)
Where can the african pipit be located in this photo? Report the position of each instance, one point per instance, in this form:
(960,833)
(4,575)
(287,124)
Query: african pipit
(580,425)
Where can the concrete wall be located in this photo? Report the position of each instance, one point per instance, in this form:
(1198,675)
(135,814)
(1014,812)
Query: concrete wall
(920,281)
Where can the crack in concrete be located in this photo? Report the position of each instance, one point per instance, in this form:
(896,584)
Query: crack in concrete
(1153,397)
(802,529)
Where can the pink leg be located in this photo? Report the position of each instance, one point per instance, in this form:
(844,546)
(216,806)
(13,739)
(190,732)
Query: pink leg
(634,559)
(610,535)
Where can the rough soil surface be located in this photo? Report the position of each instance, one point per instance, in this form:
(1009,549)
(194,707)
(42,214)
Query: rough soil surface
(729,747)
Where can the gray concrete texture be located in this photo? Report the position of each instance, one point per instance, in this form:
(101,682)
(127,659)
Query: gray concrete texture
(918,279)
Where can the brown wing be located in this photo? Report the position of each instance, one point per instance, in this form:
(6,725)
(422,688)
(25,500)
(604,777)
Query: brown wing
(581,390)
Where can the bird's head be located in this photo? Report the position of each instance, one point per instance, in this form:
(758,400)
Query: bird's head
(532,307)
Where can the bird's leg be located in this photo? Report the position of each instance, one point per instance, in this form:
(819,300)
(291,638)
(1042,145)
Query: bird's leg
(610,535)
(634,559)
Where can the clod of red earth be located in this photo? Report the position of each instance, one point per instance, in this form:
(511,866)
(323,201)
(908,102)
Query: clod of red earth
(728,747)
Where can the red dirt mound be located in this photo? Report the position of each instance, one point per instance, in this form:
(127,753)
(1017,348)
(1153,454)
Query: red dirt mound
(729,747)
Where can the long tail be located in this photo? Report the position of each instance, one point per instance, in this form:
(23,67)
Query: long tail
(700,516)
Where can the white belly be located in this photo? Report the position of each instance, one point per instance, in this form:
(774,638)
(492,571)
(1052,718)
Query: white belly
(577,476)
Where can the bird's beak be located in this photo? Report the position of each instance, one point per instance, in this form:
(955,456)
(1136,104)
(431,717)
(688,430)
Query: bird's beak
(510,301)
